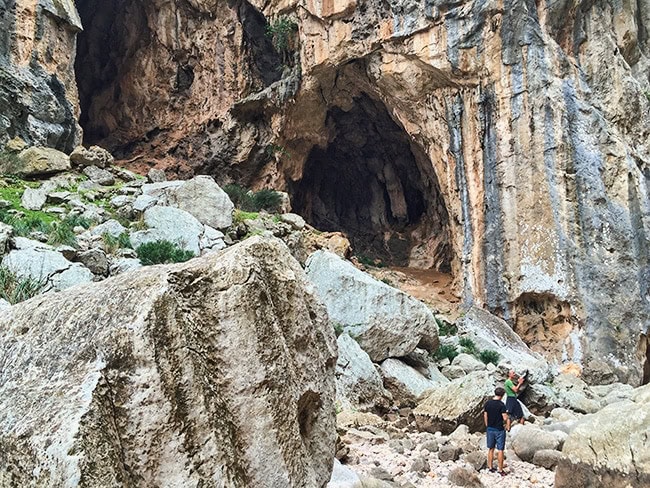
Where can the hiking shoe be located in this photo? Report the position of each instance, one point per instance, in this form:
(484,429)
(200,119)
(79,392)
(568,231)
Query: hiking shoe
(503,473)
(493,470)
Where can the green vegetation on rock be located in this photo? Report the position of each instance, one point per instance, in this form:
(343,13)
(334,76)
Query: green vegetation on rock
(250,201)
(448,351)
(15,289)
(162,252)
(489,356)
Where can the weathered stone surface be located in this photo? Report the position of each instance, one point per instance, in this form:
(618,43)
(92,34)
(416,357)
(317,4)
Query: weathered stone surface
(99,176)
(112,227)
(358,384)
(212,239)
(610,448)
(467,363)
(143,202)
(36,161)
(204,199)
(43,264)
(4,304)
(405,382)
(95,260)
(155,391)
(547,458)
(156,175)
(575,394)
(123,265)
(92,156)
(459,402)
(295,221)
(528,439)
(33,199)
(385,321)
(170,224)
(492,333)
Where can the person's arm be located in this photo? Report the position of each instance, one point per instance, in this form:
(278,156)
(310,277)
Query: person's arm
(519,383)
(506,419)
(485,418)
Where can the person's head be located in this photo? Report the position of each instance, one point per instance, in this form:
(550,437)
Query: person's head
(499,392)
(511,374)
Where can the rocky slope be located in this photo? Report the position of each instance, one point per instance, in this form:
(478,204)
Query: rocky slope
(505,143)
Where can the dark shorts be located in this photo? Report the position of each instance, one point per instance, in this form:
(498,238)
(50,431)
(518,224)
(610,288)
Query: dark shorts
(513,408)
(496,437)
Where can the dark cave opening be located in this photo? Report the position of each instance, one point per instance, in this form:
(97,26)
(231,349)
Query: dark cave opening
(374,184)
(114,31)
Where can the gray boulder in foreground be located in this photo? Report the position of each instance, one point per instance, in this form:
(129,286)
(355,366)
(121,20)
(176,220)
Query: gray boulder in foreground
(385,321)
(215,372)
(611,448)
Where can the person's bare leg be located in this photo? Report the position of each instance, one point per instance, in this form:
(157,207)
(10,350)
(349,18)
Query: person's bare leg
(521,421)
(500,460)
(490,457)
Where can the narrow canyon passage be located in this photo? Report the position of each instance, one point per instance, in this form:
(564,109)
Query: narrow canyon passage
(373,183)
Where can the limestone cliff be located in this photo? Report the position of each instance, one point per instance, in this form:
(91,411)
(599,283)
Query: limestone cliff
(505,142)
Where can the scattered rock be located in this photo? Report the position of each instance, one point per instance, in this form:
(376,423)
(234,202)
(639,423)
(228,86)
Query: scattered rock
(156,175)
(111,227)
(476,459)
(170,224)
(449,453)
(205,200)
(527,440)
(123,265)
(33,199)
(36,161)
(420,465)
(143,202)
(342,477)
(4,304)
(99,176)
(465,477)
(121,200)
(93,156)
(6,231)
(467,363)
(575,394)
(294,220)
(358,384)
(547,458)
(212,239)
(459,402)
(95,260)
(385,321)
(167,343)
(404,382)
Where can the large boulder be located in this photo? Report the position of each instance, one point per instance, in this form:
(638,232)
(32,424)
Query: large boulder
(92,156)
(385,321)
(170,224)
(459,402)
(36,161)
(204,199)
(575,394)
(492,333)
(215,372)
(358,384)
(528,439)
(611,448)
(406,383)
(33,198)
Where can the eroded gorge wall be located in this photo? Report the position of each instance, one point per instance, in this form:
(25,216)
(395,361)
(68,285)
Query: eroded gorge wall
(503,141)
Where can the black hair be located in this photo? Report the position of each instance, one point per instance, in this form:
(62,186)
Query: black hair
(499,391)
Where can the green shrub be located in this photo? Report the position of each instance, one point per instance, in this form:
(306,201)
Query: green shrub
(112,243)
(445,328)
(15,289)
(468,345)
(162,252)
(489,356)
(448,351)
(281,31)
(269,200)
(61,233)
(240,216)
(75,220)
(23,226)
(248,201)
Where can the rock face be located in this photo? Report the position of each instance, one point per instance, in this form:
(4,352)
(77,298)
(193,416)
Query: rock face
(385,321)
(505,143)
(610,448)
(155,391)
(35,161)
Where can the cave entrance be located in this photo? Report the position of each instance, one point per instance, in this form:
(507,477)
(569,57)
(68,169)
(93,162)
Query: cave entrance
(114,30)
(373,183)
